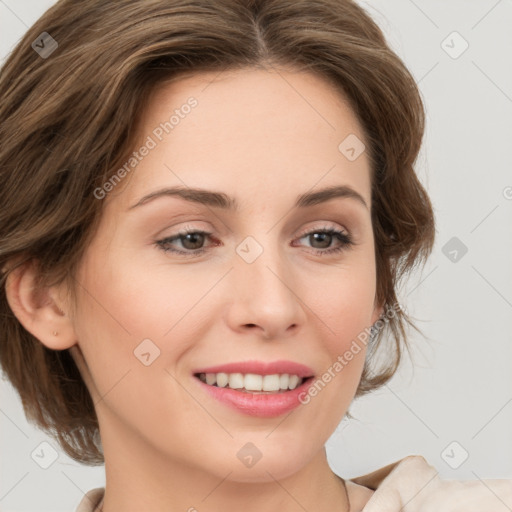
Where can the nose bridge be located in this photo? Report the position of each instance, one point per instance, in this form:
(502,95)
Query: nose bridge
(261,264)
(264,287)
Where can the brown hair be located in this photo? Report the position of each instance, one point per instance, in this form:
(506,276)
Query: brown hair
(67,120)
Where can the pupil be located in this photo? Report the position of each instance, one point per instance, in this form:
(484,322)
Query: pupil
(194,245)
(322,235)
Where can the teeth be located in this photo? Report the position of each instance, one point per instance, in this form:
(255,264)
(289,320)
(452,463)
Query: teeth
(221,379)
(236,380)
(293,382)
(271,383)
(252,381)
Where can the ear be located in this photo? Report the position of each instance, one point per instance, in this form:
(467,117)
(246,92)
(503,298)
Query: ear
(39,309)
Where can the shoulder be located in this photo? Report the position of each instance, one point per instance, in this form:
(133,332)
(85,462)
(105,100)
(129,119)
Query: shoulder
(358,495)
(91,500)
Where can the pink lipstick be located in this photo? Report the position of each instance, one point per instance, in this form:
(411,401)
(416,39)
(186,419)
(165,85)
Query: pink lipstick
(256,388)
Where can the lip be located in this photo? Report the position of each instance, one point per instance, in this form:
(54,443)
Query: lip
(258,404)
(254,404)
(261,368)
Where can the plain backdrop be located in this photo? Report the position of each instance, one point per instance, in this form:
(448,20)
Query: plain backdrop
(454,405)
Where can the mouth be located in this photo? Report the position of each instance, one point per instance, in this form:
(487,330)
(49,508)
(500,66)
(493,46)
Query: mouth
(253,383)
(266,389)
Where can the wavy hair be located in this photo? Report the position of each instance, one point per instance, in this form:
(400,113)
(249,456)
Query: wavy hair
(67,121)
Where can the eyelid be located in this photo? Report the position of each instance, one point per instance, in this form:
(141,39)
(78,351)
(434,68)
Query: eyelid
(187,228)
(325,226)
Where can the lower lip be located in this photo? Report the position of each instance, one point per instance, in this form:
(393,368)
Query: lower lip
(261,405)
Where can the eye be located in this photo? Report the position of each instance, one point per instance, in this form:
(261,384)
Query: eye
(321,240)
(192,241)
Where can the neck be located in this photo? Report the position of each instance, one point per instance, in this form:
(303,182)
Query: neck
(139,477)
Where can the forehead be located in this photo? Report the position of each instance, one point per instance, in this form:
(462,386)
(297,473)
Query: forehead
(282,129)
(292,95)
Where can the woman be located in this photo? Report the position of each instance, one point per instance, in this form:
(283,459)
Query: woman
(207,207)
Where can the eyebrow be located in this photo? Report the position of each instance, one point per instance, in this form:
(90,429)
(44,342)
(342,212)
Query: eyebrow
(223,201)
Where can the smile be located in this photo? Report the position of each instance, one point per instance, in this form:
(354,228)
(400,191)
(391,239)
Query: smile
(252,382)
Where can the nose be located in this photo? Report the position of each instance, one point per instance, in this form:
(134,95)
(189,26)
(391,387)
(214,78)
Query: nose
(266,297)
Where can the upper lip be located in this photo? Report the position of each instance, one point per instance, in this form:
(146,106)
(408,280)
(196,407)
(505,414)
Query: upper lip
(260,368)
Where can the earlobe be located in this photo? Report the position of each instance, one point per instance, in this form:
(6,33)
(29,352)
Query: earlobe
(37,310)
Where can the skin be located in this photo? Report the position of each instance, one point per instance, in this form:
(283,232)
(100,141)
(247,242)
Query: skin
(264,138)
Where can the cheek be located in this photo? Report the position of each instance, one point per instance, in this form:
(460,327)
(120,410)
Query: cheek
(131,297)
(130,313)
(120,327)
(344,310)
(344,304)
(345,313)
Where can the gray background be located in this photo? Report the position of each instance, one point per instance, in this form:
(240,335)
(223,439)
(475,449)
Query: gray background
(456,400)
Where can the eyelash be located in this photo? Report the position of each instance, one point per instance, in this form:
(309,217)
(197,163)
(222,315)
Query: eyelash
(344,238)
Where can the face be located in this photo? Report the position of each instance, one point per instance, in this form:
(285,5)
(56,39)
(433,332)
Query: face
(176,284)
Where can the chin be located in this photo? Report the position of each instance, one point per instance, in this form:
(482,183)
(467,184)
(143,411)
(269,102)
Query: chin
(260,462)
